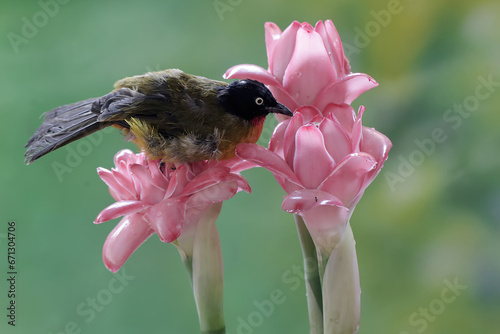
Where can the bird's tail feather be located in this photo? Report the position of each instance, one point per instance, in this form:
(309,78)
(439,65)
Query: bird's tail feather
(62,126)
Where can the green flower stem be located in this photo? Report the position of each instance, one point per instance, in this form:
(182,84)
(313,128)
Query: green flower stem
(208,273)
(312,278)
(221,331)
(188,264)
(341,289)
(200,250)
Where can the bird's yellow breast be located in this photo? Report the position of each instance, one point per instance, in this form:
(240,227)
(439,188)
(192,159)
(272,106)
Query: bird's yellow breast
(220,144)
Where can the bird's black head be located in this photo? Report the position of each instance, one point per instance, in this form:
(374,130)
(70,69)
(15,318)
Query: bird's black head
(249,99)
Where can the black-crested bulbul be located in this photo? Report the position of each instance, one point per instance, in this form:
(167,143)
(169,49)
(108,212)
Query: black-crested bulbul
(170,115)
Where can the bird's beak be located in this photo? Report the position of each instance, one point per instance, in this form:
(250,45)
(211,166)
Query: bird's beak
(280,109)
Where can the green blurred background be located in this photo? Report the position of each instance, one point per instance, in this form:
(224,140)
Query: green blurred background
(429,219)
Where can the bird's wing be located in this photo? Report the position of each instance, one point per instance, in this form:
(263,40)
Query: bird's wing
(172,101)
(152,82)
(125,104)
(61,126)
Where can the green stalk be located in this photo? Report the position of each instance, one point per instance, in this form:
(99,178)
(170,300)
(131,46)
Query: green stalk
(208,273)
(341,298)
(188,264)
(312,277)
(200,250)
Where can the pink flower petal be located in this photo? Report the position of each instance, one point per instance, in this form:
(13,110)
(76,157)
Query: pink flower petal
(220,192)
(324,215)
(336,61)
(118,192)
(157,177)
(205,179)
(127,156)
(307,26)
(240,181)
(306,199)
(295,124)
(149,193)
(195,168)
(270,161)
(236,164)
(280,50)
(375,144)
(167,217)
(345,90)
(249,71)
(337,142)
(178,181)
(347,180)
(343,113)
(116,195)
(243,184)
(277,139)
(309,113)
(323,221)
(312,163)
(168,169)
(378,146)
(272,35)
(191,219)
(309,70)
(335,43)
(119,209)
(127,183)
(123,240)
(357,130)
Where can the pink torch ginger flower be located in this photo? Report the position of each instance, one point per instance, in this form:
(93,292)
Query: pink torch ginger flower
(323,157)
(161,199)
(307,66)
(324,162)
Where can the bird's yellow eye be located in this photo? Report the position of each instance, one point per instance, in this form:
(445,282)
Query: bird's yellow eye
(259,101)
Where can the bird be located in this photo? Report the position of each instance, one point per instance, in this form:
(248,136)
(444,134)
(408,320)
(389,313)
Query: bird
(170,115)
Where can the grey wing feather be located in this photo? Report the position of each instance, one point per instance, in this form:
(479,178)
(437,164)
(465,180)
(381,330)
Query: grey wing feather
(71,122)
(61,126)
